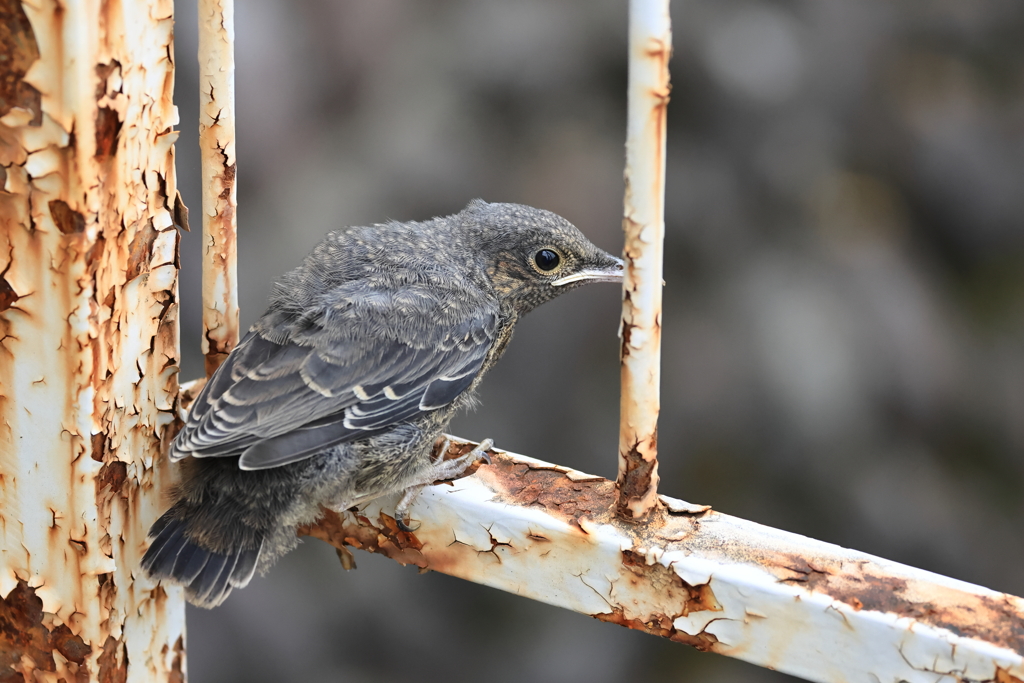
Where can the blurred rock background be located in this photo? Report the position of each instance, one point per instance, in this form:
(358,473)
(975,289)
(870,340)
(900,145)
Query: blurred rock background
(844,313)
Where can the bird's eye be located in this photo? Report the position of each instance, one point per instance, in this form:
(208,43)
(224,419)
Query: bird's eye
(547,260)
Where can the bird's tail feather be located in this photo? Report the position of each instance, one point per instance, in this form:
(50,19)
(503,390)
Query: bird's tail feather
(207,576)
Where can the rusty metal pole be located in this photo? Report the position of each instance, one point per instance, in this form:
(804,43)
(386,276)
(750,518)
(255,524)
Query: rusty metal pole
(699,577)
(88,338)
(217,150)
(650,47)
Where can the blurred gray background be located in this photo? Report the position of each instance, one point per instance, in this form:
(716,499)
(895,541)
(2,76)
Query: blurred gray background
(844,309)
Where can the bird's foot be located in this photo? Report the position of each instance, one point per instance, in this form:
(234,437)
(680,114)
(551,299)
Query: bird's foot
(443,469)
(453,469)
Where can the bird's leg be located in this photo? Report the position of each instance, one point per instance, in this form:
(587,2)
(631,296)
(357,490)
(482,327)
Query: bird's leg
(402,509)
(443,469)
(445,445)
(411,492)
(339,505)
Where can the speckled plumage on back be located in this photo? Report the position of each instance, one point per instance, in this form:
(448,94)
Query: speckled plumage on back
(339,391)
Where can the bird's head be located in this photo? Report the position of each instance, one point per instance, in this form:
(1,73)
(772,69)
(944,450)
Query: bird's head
(534,255)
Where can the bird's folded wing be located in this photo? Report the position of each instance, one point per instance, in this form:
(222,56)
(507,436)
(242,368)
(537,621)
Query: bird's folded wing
(297,384)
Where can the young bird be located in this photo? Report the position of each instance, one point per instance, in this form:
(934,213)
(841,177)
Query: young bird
(338,393)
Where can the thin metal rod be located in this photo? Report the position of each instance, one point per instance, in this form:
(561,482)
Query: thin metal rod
(694,576)
(217,150)
(650,47)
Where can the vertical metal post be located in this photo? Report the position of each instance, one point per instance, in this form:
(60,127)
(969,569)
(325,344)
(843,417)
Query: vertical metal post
(88,338)
(650,47)
(217,150)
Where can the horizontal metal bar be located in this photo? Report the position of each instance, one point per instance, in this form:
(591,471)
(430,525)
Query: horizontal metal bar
(696,576)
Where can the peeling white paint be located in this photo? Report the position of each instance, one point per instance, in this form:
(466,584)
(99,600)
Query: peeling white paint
(217,150)
(650,46)
(83,400)
(722,584)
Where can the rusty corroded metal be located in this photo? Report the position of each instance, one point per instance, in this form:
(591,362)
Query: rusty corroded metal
(650,47)
(696,576)
(217,150)
(88,338)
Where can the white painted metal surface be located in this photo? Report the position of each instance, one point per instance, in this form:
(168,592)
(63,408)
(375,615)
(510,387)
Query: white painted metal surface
(88,339)
(650,47)
(699,577)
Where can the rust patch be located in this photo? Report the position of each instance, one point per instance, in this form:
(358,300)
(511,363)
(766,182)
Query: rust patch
(999,622)
(703,641)
(180,213)
(660,625)
(636,479)
(228,178)
(95,259)
(103,72)
(218,352)
(176,674)
(112,671)
(68,220)
(1004,676)
(345,556)
(627,334)
(108,128)
(7,294)
(805,573)
(19,48)
(385,538)
(26,645)
(112,475)
(22,634)
(550,489)
(139,251)
(99,446)
(670,586)
(72,647)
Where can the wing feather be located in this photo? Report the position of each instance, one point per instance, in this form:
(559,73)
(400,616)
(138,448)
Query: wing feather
(364,361)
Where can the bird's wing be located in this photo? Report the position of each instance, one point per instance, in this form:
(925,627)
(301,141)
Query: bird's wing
(299,383)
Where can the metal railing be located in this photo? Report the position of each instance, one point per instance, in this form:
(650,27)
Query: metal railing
(616,551)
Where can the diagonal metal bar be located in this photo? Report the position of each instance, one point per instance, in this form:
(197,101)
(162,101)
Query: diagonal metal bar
(217,153)
(650,46)
(696,576)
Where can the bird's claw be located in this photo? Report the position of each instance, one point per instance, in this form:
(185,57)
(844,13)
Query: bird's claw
(404,526)
(480,452)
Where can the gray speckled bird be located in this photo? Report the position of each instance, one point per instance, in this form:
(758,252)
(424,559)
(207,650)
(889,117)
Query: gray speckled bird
(339,392)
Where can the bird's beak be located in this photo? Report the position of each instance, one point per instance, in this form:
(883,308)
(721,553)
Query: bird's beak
(612,273)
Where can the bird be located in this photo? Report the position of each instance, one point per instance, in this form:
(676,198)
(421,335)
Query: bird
(339,392)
